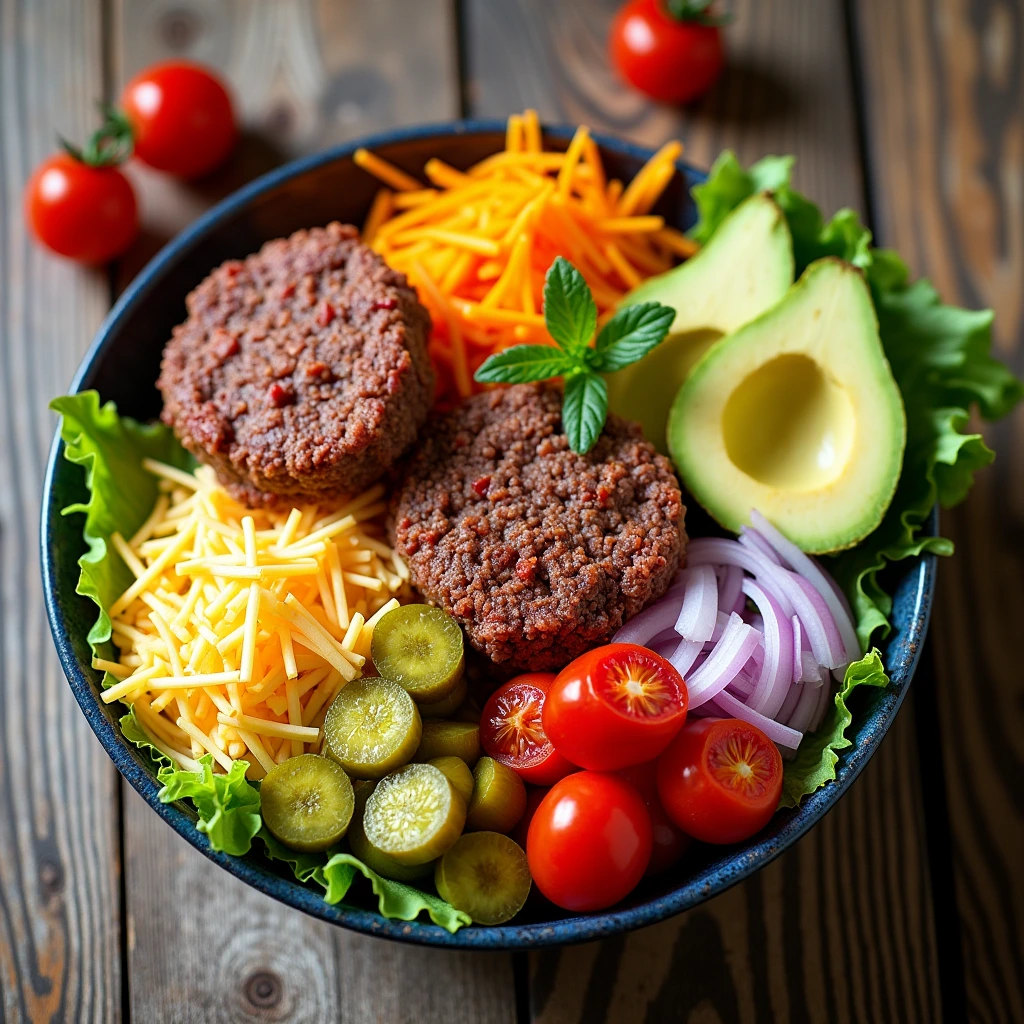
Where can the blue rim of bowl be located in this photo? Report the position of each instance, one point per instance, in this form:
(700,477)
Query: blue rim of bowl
(580,928)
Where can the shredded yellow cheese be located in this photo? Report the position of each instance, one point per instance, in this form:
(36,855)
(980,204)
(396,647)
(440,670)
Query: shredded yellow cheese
(243,625)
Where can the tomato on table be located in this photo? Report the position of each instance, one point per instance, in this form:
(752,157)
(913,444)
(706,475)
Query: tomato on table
(669,842)
(615,706)
(670,49)
(512,732)
(589,842)
(181,118)
(84,211)
(720,780)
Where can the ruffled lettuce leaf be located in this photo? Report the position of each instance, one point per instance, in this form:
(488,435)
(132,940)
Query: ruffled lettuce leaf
(111,448)
(941,359)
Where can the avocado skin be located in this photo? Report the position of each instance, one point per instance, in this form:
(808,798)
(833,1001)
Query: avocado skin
(744,270)
(828,317)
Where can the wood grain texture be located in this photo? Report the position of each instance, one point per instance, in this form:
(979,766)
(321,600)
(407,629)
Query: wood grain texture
(59,862)
(945,114)
(204,947)
(840,928)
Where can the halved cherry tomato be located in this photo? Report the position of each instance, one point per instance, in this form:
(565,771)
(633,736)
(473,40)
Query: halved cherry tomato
(720,780)
(181,117)
(615,706)
(589,842)
(87,213)
(511,730)
(670,49)
(669,842)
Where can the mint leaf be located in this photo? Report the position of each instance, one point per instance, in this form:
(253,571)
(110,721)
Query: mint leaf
(584,409)
(569,309)
(523,363)
(630,334)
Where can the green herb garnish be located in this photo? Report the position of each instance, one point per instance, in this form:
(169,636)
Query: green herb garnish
(570,315)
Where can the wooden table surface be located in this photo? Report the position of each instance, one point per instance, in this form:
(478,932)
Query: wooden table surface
(907,902)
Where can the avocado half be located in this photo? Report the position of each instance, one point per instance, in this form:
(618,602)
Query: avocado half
(745,268)
(797,415)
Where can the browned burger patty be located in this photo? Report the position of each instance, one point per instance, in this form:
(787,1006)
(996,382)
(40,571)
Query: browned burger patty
(301,371)
(538,552)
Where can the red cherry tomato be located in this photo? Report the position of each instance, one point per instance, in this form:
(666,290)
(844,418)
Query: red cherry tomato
(615,706)
(589,842)
(668,57)
(534,796)
(669,842)
(511,730)
(720,780)
(181,117)
(83,212)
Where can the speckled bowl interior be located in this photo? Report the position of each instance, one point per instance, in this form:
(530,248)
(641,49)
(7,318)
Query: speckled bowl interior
(123,364)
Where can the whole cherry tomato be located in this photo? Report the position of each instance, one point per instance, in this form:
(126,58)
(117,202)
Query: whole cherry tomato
(511,730)
(85,212)
(720,780)
(669,842)
(589,842)
(181,117)
(615,706)
(670,49)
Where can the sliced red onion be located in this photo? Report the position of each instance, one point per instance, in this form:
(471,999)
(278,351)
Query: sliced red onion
(812,572)
(810,669)
(642,628)
(775,731)
(696,619)
(742,687)
(786,711)
(730,587)
(685,655)
(802,714)
(824,701)
(732,653)
(777,670)
(752,539)
(798,650)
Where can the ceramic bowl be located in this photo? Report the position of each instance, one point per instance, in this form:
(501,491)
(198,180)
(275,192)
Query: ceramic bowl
(123,364)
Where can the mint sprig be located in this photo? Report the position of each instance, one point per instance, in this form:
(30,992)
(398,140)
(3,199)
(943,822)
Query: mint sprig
(570,315)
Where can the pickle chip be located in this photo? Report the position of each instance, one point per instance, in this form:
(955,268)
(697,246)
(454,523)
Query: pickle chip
(498,800)
(485,875)
(307,802)
(458,774)
(442,738)
(374,859)
(420,648)
(372,728)
(414,815)
(446,706)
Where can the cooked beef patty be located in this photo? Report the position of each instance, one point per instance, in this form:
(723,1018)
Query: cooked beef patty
(301,371)
(538,552)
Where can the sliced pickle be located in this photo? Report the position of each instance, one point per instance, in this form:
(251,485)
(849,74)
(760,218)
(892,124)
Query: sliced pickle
(372,728)
(470,710)
(442,738)
(307,802)
(374,859)
(414,815)
(458,774)
(447,706)
(498,800)
(419,647)
(485,875)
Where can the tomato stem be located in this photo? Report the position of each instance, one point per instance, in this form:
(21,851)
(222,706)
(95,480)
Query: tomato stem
(698,11)
(111,144)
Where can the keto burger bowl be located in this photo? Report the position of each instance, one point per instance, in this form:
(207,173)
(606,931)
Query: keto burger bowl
(123,365)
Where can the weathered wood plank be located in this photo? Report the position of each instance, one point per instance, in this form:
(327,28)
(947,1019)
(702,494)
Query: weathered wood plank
(59,863)
(945,115)
(840,928)
(204,947)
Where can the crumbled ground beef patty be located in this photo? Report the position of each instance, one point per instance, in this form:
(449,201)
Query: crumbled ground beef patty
(301,371)
(538,552)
